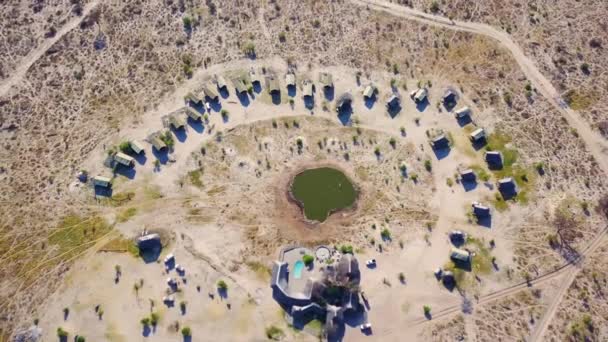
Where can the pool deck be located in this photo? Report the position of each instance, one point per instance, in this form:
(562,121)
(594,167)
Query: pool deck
(291,256)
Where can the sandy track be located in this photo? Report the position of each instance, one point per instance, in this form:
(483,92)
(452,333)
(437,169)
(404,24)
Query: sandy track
(597,145)
(35,54)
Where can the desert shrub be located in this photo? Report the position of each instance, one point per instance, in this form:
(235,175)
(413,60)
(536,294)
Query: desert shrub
(308,259)
(222,285)
(186,331)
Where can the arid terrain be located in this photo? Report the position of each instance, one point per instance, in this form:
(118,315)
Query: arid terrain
(78,78)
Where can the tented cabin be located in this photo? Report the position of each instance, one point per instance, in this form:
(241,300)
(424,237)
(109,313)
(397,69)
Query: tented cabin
(136,146)
(221,83)
(460,256)
(326,80)
(192,114)
(177,121)
(420,95)
(440,141)
(480,210)
(102,181)
(124,159)
(467,175)
(462,112)
(210,93)
(272,84)
(477,135)
(240,85)
(254,77)
(494,158)
(193,98)
(307,90)
(158,143)
(290,80)
(369,91)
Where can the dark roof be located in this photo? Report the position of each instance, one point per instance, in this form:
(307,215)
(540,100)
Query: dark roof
(493,157)
(393,101)
(344,99)
(467,174)
(480,210)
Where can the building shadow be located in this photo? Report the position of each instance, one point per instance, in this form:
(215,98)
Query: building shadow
(441,153)
(180,134)
(215,105)
(344,114)
(370,101)
(276,97)
(244,99)
(291,90)
(198,106)
(479,144)
(421,106)
(485,221)
(151,254)
(469,185)
(257,87)
(162,156)
(309,102)
(140,158)
(328,92)
(101,191)
(464,120)
(197,125)
(224,93)
(393,111)
(125,171)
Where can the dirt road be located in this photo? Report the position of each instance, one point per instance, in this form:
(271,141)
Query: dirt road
(38,52)
(594,142)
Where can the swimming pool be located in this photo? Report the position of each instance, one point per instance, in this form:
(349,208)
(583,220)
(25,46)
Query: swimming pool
(297,269)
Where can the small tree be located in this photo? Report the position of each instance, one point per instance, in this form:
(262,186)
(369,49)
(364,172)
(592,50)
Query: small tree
(61,333)
(145,321)
(344,249)
(125,147)
(81,339)
(427,310)
(186,331)
(386,234)
(393,142)
(154,317)
(308,259)
(222,285)
(428,166)
(182,305)
(224,114)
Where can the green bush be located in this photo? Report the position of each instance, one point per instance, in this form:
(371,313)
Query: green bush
(428,166)
(427,309)
(81,339)
(308,259)
(274,333)
(344,249)
(186,331)
(61,332)
(385,233)
(222,285)
(145,321)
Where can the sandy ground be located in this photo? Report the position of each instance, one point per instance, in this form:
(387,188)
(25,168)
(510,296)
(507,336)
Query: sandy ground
(217,250)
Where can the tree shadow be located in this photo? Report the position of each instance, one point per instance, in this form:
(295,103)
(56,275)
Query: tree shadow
(125,171)
(146,330)
(197,125)
(441,153)
(370,101)
(63,339)
(244,99)
(180,134)
(223,293)
(187,338)
(328,92)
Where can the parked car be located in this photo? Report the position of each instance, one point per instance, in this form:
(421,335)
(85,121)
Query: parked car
(371,263)
(366,327)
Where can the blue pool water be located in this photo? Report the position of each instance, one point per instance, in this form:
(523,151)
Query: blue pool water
(297,269)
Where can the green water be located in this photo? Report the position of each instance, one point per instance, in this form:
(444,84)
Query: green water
(322,191)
